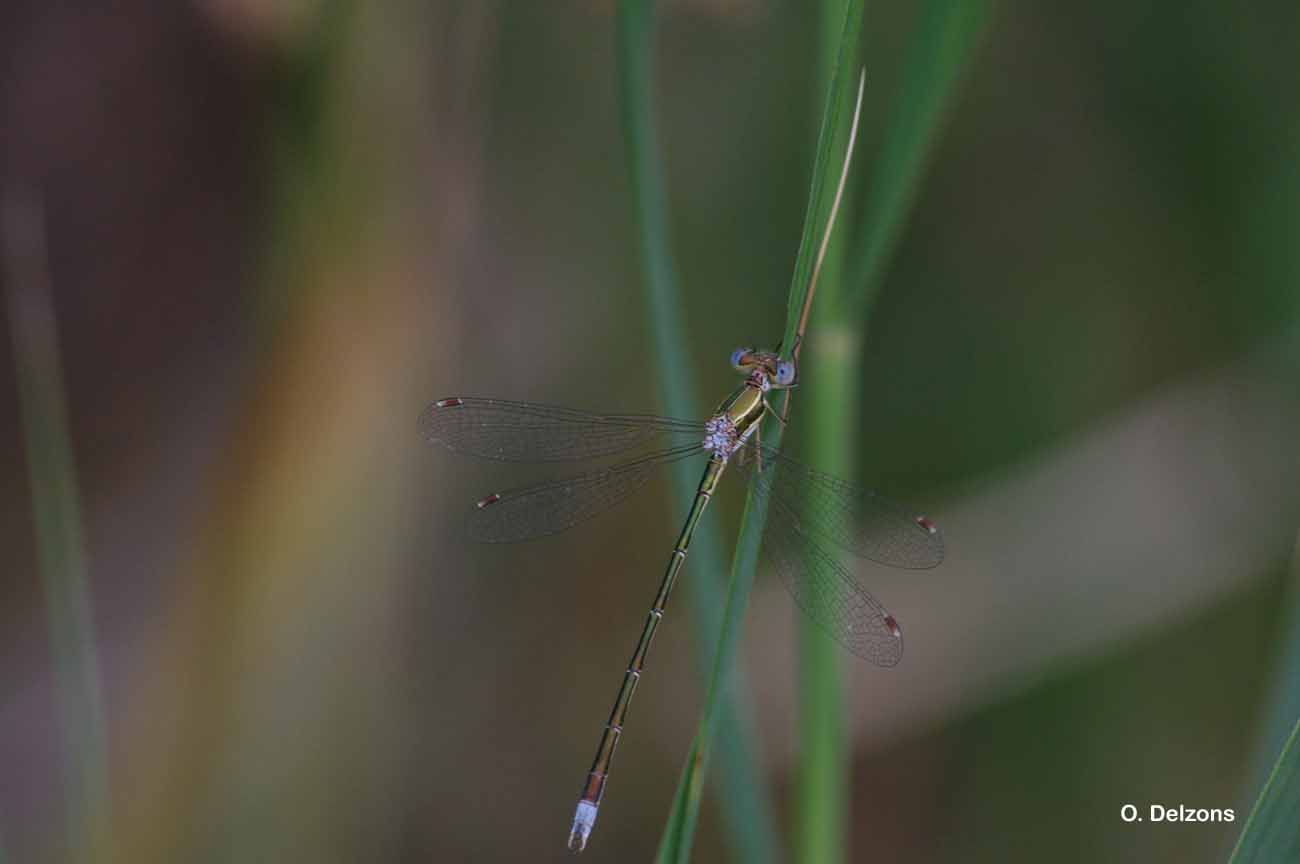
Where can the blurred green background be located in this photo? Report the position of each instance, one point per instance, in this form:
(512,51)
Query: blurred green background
(269,234)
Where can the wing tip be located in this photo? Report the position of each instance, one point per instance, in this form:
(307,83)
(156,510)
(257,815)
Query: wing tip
(893,650)
(933,542)
(429,421)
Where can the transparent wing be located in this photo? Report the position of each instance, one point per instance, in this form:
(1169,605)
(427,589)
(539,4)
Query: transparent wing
(537,511)
(826,592)
(824,507)
(527,432)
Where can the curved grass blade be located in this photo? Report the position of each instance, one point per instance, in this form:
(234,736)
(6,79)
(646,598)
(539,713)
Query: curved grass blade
(509,431)
(549,508)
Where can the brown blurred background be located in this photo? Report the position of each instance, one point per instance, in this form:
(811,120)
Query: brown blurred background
(273,232)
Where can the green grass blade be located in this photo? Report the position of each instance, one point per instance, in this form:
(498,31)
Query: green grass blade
(56,513)
(821,785)
(941,47)
(679,830)
(747,813)
(831,137)
(939,50)
(1272,831)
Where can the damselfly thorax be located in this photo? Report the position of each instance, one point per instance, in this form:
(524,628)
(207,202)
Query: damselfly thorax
(737,418)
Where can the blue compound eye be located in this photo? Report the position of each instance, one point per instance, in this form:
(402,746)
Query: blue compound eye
(738,355)
(784,373)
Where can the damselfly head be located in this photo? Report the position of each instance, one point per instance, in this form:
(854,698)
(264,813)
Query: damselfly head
(776,370)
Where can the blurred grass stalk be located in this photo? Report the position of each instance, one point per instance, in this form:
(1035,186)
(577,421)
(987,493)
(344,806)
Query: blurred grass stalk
(746,810)
(56,513)
(940,49)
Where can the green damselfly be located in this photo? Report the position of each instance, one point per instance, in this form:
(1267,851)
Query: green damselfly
(807,510)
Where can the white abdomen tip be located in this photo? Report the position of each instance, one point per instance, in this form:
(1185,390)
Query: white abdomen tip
(584,819)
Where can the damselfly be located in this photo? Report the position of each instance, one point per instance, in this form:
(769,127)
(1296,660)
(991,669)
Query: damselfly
(808,511)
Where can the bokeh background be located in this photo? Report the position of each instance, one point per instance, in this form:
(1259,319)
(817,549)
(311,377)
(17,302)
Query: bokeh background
(259,237)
